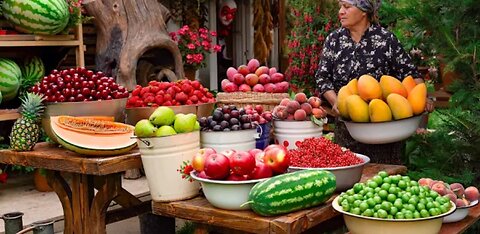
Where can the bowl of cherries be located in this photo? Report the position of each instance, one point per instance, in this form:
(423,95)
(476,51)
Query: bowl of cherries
(80,92)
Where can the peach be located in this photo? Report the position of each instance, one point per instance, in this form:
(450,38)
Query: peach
(282,87)
(270,88)
(243,69)
(244,88)
(261,70)
(272,70)
(319,112)
(471,193)
(251,79)
(460,203)
(315,102)
(458,189)
(277,77)
(301,98)
(431,183)
(300,115)
(253,64)
(238,79)
(230,72)
(292,106)
(280,112)
(258,88)
(424,181)
(440,188)
(451,196)
(307,108)
(264,79)
(284,102)
(290,117)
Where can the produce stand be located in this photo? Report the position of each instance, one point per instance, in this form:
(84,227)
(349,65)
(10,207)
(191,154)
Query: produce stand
(199,210)
(84,210)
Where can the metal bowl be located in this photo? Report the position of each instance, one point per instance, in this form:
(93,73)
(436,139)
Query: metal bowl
(346,176)
(460,213)
(224,194)
(136,114)
(369,225)
(383,132)
(115,107)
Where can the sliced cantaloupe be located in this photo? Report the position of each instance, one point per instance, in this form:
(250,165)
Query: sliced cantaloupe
(87,138)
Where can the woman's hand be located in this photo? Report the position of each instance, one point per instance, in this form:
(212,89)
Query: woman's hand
(429,106)
(335,111)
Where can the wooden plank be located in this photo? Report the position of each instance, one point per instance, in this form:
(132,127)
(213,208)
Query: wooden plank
(4,43)
(9,114)
(199,210)
(30,37)
(462,225)
(53,157)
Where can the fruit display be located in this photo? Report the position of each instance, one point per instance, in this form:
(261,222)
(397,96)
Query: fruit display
(37,16)
(182,92)
(256,78)
(393,197)
(320,152)
(231,118)
(10,76)
(276,195)
(367,100)
(164,122)
(93,136)
(456,192)
(26,130)
(299,108)
(78,85)
(237,165)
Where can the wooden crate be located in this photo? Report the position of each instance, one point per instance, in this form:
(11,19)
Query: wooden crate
(241,99)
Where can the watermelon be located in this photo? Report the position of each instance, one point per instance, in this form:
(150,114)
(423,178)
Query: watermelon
(47,17)
(32,72)
(292,191)
(10,75)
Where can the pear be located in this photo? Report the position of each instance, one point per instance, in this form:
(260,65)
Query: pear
(184,122)
(165,130)
(197,126)
(162,116)
(144,128)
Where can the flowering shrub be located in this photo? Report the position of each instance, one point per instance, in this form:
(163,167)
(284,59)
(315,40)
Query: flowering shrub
(194,45)
(77,14)
(311,22)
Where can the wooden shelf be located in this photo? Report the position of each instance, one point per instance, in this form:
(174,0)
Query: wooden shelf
(9,114)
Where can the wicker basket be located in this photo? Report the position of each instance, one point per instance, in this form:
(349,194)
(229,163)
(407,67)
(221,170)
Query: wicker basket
(241,99)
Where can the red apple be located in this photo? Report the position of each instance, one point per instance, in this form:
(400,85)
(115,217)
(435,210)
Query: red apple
(259,109)
(229,153)
(259,156)
(242,163)
(253,152)
(261,171)
(217,166)
(198,160)
(235,177)
(277,158)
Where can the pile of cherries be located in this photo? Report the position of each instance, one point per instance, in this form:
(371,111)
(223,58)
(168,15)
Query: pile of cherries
(78,85)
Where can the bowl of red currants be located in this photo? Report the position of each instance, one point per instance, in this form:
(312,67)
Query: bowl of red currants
(80,92)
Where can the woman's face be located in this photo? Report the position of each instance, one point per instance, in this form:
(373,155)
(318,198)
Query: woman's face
(350,15)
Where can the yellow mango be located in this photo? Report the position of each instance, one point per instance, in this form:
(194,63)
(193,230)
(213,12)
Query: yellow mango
(368,88)
(418,98)
(409,83)
(357,109)
(343,93)
(400,106)
(352,86)
(390,84)
(379,111)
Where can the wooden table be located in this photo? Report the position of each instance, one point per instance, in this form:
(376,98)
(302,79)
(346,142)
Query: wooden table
(199,210)
(84,210)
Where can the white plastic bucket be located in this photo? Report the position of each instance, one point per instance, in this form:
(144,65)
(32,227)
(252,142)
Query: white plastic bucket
(288,133)
(161,158)
(243,140)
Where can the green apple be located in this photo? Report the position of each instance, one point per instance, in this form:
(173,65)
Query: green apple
(162,116)
(144,128)
(165,130)
(184,122)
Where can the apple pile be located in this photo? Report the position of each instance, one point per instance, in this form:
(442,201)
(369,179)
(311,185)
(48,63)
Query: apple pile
(231,118)
(236,165)
(256,78)
(299,108)
(182,92)
(78,85)
(164,122)
(455,191)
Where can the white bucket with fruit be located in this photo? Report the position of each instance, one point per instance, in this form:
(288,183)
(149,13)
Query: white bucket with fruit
(166,141)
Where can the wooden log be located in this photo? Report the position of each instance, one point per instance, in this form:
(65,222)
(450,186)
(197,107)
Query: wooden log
(125,31)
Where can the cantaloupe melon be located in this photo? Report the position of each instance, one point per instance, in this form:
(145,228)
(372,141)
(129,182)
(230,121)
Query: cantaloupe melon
(93,137)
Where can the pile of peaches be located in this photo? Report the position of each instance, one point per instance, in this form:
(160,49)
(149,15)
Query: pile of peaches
(456,192)
(299,108)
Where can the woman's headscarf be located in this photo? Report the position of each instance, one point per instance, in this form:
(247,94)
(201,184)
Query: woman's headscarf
(368,6)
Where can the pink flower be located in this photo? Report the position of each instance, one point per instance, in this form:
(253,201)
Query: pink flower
(191,46)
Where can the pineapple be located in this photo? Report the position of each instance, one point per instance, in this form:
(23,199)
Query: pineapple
(26,130)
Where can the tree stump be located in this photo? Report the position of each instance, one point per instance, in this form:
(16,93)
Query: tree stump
(126,30)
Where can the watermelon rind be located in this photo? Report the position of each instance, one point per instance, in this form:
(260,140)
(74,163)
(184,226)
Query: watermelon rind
(10,75)
(44,17)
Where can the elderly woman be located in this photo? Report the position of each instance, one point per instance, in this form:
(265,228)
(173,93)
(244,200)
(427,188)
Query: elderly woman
(361,46)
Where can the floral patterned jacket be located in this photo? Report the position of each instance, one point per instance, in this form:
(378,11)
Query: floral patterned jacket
(378,53)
